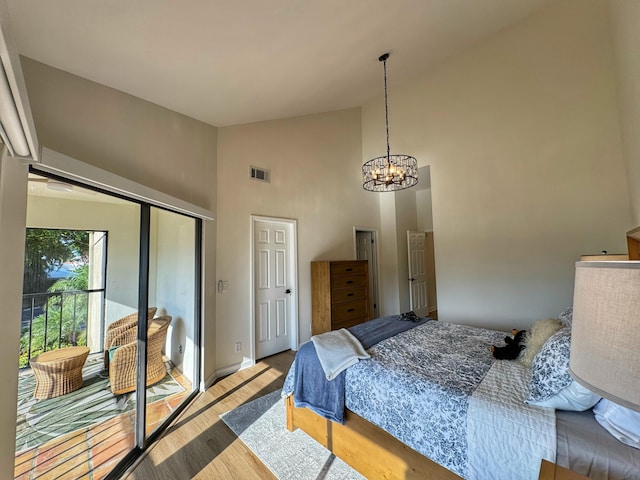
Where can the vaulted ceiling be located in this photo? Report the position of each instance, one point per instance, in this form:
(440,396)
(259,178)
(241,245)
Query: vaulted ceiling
(228,62)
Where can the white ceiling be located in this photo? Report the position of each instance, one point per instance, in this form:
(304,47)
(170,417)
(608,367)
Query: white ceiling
(228,62)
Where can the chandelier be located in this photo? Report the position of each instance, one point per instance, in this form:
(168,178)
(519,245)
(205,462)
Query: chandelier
(390,172)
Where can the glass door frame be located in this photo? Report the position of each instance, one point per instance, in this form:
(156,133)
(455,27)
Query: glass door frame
(142,441)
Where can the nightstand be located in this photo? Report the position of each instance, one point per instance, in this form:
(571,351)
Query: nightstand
(551,471)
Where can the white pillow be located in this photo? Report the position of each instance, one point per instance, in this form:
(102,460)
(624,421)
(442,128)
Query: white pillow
(574,398)
(621,422)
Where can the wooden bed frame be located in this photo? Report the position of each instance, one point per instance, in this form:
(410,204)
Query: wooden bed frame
(365,447)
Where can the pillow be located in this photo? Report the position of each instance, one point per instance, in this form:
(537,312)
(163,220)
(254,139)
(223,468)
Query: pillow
(535,338)
(112,352)
(410,316)
(566,317)
(621,422)
(575,398)
(550,367)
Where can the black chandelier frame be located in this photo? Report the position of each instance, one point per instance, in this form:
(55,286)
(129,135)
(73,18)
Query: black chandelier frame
(389,173)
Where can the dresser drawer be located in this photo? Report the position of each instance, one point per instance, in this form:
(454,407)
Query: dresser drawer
(347,268)
(347,294)
(341,312)
(339,294)
(348,282)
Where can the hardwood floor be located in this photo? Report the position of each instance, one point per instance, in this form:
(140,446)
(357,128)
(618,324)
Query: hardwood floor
(198,445)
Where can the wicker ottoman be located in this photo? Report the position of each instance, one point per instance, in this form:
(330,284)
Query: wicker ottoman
(58,371)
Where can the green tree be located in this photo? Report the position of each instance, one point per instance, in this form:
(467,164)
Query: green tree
(65,314)
(46,250)
(78,281)
(66,318)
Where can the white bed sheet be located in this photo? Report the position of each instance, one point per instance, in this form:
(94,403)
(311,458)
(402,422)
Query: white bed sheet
(507,438)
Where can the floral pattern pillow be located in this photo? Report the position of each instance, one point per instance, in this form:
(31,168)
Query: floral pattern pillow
(550,367)
(409,316)
(566,317)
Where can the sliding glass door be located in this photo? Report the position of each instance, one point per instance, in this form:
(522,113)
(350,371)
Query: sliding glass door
(134,271)
(173,291)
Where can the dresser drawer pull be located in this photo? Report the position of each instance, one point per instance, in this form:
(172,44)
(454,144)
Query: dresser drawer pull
(351,310)
(350,294)
(349,281)
(349,269)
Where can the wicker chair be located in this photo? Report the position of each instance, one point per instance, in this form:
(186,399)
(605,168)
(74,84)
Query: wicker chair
(123,364)
(118,327)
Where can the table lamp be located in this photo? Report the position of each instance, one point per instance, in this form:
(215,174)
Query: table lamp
(605,330)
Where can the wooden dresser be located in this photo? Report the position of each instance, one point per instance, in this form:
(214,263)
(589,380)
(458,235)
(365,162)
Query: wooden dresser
(339,294)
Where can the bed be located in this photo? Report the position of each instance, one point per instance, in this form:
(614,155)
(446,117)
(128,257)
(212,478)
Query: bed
(432,402)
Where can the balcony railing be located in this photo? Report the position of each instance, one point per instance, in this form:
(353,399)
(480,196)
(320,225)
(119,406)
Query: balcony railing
(53,320)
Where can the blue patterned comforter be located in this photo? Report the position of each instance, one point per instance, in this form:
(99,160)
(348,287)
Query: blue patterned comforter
(307,380)
(417,387)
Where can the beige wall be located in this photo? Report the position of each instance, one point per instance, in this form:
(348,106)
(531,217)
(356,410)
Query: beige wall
(430,268)
(625,19)
(123,135)
(522,137)
(400,212)
(315,179)
(423,206)
(137,140)
(388,260)
(406,220)
(174,260)
(13,206)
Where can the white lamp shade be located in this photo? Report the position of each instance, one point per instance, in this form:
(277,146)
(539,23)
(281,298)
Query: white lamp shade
(605,331)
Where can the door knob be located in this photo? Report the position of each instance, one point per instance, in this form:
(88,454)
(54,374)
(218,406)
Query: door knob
(288,290)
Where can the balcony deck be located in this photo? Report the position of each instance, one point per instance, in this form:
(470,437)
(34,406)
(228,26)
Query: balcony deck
(93,449)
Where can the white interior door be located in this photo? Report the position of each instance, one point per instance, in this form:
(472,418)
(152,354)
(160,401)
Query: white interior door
(274,281)
(366,250)
(417,273)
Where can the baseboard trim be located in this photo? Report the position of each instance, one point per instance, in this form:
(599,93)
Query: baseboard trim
(210,380)
(223,372)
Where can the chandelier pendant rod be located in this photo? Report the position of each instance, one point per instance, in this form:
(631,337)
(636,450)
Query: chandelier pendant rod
(389,173)
(383,59)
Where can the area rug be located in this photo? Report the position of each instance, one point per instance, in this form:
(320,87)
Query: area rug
(260,424)
(42,420)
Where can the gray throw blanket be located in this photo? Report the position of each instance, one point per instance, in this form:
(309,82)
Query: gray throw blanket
(326,398)
(337,350)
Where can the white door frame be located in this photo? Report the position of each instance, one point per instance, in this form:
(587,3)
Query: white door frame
(293,262)
(374,290)
(415,276)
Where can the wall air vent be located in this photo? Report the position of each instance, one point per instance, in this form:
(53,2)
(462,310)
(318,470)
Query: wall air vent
(260,174)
